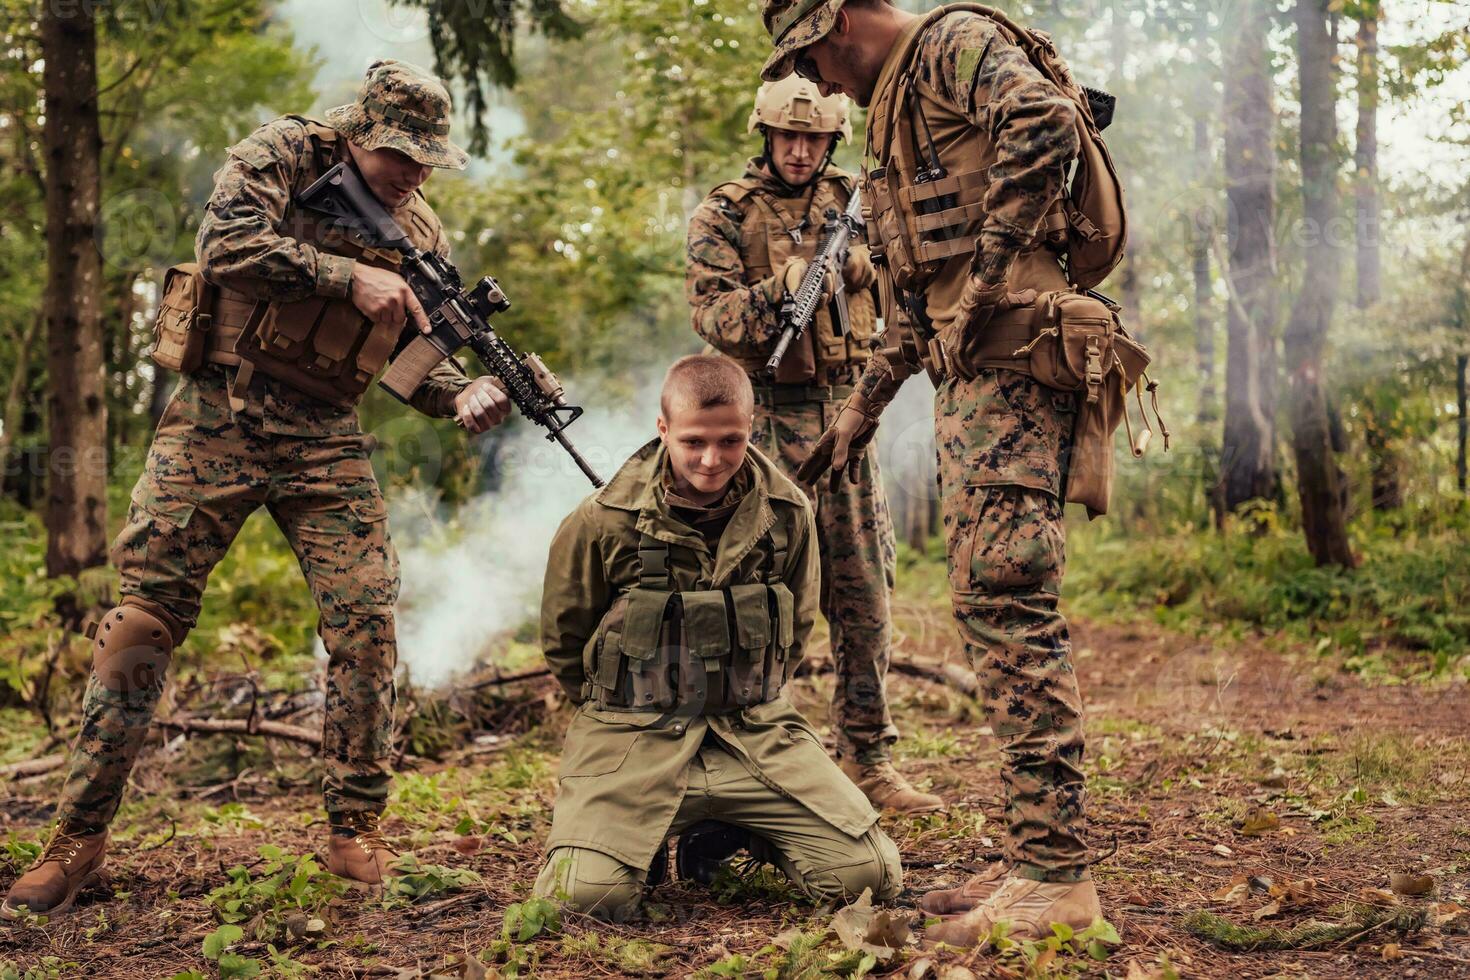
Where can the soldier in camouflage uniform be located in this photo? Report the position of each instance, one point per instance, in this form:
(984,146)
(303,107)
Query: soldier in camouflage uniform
(954,102)
(240,433)
(750,242)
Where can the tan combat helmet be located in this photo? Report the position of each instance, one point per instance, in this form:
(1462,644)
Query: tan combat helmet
(795,104)
(402,107)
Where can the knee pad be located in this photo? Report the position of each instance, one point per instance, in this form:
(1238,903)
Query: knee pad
(131,649)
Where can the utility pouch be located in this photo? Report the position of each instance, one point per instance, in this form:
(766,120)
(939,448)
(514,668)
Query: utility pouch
(1074,347)
(185,313)
(888,238)
(1081,346)
(753,659)
(783,613)
(648,651)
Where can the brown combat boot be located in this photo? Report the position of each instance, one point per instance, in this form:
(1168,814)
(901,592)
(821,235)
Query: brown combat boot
(69,863)
(356,850)
(886,789)
(1030,907)
(964,897)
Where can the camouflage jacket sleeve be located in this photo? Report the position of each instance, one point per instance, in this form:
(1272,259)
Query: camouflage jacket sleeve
(436,393)
(574,597)
(803,576)
(240,244)
(966,59)
(731,316)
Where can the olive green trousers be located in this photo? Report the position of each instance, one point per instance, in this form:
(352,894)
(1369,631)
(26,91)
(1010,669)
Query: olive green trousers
(822,861)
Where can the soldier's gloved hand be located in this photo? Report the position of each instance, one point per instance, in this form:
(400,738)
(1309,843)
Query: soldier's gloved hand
(961,338)
(841,447)
(790,275)
(858,272)
(385,298)
(482,405)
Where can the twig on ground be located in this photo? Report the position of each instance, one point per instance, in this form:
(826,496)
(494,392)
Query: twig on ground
(242,726)
(173,828)
(525,675)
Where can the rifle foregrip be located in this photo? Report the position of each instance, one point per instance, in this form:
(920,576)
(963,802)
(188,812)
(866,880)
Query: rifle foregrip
(411,367)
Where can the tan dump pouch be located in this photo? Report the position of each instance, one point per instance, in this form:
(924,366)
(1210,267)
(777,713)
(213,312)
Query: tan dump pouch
(183,320)
(1081,346)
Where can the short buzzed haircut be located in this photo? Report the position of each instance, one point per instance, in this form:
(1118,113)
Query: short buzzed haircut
(704,381)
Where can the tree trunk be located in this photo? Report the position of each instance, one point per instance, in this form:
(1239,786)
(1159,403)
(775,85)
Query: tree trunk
(1461,399)
(1388,491)
(1204,323)
(1365,159)
(1248,448)
(76,469)
(1323,520)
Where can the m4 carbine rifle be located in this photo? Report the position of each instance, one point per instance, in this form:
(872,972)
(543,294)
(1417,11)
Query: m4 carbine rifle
(798,308)
(457,318)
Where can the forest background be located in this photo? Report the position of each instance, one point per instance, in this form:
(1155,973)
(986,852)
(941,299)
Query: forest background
(1299,266)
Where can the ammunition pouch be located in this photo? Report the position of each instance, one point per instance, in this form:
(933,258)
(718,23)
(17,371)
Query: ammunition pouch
(320,346)
(182,324)
(701,652)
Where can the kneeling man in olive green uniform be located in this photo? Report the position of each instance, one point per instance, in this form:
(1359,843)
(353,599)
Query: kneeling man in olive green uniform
(677,604)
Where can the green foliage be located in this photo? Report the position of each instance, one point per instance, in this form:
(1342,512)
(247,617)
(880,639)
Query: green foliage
(629,957)
(526,920)
(48,968)
(1360,920)
(285,886)
(795,955)
(523,922)
(1408,593)
(1066,952)
(18,853)
(415,881)
(738,881)
(475,44)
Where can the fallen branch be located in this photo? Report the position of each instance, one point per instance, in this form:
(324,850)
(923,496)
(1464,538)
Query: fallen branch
(33,767)
(525,675)
(962,679)
(242,726)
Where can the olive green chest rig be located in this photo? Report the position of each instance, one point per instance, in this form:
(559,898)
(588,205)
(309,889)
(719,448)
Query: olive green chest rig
(691,653)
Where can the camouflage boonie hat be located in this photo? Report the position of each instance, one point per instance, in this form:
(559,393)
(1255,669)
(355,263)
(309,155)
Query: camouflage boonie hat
(402,107)
(794,25)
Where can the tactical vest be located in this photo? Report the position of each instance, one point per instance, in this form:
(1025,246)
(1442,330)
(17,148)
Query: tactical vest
(824,356)
(320,345)
(692,653)
(926,171)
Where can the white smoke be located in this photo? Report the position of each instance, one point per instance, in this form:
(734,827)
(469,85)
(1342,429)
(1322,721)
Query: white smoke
(473,574)
(476,573)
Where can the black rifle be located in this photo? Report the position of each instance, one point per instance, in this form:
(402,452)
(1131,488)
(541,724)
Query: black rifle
(799,308)
(457,318)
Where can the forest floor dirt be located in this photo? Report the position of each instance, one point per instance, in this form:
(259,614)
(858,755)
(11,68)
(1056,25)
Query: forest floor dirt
(1256,784)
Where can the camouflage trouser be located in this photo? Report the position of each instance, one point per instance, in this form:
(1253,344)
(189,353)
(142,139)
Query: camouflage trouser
(858,550)
(1001,439)
(207,471)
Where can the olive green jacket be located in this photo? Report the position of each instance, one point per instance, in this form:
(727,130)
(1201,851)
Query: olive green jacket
(624,773)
